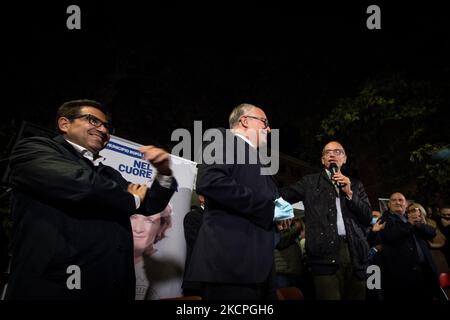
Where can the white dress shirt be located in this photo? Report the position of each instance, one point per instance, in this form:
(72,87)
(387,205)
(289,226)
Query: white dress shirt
(164,181)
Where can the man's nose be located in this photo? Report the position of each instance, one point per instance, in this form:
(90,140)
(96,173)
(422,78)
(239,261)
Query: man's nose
(138,227)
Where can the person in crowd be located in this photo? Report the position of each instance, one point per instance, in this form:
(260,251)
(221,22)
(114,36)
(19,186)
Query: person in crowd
(192,222)
(443,224)
(439,240)
(407,268)
(288,256)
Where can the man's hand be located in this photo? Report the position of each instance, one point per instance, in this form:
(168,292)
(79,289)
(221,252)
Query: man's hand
(138,189)
(345,182)
(415,217)
(159,158)
(378,226)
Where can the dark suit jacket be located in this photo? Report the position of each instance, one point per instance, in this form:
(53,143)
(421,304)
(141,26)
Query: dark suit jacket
(192,222)
(236,240)
(401,267)
(68,212)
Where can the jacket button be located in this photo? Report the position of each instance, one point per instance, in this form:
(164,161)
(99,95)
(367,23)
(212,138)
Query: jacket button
(332,242)
(333,261)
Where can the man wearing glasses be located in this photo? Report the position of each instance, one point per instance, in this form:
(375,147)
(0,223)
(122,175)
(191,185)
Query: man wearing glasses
(337,211)
(72,214)
(233,254)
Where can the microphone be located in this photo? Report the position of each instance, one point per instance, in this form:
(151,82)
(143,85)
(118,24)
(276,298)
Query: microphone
(334,169)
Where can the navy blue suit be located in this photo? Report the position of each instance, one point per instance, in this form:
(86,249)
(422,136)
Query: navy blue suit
(236,240)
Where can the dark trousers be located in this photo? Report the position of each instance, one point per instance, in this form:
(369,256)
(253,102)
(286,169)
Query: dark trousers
(241,291)
(343,285)
(421,285)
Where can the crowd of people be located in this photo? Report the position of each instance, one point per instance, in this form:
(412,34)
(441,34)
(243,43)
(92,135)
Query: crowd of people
(243,241)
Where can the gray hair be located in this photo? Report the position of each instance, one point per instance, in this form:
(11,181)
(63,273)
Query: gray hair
(238,112)
(418,206)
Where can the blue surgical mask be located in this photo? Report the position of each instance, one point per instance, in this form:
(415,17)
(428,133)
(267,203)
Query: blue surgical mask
(283,210)
(374,220)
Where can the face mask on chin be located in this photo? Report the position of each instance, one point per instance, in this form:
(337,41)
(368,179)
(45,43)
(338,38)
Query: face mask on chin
(374,220)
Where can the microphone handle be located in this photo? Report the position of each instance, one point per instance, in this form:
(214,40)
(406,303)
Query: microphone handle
(338,184)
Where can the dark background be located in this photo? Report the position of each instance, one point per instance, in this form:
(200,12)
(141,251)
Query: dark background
(160,67)
(315,69)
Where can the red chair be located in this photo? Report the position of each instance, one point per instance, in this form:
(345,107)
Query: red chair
(444,282)
(290,293)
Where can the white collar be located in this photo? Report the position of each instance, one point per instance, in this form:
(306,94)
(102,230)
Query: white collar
(245,139)
(87,154)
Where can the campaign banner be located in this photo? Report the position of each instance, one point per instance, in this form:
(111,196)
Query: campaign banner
(160,247)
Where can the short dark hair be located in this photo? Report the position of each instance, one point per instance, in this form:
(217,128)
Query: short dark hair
(71,109)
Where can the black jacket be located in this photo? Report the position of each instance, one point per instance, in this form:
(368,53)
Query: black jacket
(192,222)
(236,239)
(400,264)
(68,212)
(319,198)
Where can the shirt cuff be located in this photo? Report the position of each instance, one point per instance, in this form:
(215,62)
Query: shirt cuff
(137,201)
(164,181)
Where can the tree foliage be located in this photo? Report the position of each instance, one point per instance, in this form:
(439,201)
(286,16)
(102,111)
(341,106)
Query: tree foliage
(391,128)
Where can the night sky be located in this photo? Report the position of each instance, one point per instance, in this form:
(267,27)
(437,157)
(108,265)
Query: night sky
(159,68)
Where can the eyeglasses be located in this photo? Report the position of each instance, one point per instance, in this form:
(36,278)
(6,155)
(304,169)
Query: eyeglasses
(264,120)
(336,152)
(96,122)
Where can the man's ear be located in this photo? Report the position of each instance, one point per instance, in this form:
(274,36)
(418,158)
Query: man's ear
(244,122)
(63,124)
(323,162)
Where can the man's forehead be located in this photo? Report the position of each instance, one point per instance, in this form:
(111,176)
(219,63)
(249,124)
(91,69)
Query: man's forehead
(258,112)
(333,145)
(94,111)
(397,196)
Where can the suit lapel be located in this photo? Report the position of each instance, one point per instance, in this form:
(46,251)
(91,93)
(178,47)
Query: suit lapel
(324,176)
(68,149)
